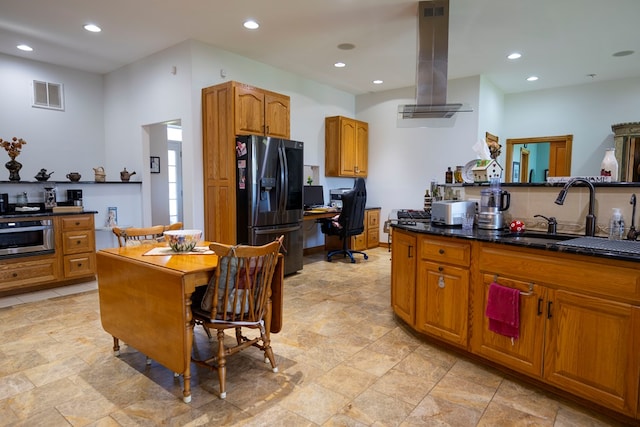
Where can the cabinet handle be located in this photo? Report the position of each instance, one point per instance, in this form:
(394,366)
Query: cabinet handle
(409,251)
(441,251)
(549,315)
(539,306)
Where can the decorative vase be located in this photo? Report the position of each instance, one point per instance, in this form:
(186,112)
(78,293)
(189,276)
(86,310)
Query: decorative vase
(14,169)
(609,165)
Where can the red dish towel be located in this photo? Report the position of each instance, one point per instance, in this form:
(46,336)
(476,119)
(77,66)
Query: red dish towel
(503,310)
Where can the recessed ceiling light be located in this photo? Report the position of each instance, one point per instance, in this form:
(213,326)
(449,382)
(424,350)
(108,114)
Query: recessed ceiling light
(624,53)
(346,46)
(532,78)
(514,55)
(339,65)
(93,28)
(25,47)
(251,24)
(378,82)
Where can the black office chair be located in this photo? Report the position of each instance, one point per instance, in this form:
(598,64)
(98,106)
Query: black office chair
(351,220)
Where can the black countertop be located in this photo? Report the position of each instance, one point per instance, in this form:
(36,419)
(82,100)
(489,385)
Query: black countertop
(41,213)
(537,240)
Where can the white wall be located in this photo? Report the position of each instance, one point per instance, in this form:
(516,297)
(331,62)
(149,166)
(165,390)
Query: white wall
(59,141)
(586,111)
(403,161)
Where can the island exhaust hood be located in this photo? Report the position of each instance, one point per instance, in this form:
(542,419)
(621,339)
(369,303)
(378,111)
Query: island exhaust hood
(431,71)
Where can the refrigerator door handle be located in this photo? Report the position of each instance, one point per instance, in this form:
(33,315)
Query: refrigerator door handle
(284,184)
(258,231)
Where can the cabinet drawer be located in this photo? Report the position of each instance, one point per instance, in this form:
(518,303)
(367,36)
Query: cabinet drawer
(446,251)
(80,264)
(77,222)
(17,274)
(373,218)
(74,242)
(373,237)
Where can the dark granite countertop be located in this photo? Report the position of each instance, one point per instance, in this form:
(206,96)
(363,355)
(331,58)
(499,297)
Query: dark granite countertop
(537,240)
(41,213)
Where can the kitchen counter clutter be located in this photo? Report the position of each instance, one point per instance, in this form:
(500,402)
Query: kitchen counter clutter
(42,249)
(577,309)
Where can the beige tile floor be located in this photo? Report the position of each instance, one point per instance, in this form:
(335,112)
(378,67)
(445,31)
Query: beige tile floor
(344,361)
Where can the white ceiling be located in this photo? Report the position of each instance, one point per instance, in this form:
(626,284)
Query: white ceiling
(562,41)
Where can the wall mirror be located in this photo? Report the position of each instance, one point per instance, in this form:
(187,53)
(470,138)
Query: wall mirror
(532,160)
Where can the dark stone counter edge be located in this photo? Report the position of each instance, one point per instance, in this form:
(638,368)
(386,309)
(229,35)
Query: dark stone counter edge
(42,213)
(506,238)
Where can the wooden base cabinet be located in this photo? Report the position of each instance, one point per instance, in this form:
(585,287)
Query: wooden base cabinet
(74,258)
(592,349)
(442,289)
(582,343)
(579,315)
(403,275)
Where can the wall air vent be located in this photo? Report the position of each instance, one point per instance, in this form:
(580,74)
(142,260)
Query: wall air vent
(48,95)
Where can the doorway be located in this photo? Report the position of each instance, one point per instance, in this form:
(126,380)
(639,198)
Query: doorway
(166,180)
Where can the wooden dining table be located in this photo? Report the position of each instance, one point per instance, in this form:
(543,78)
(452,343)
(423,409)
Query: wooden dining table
(145,301)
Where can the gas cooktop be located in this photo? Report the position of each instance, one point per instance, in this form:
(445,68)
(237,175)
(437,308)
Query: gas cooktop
(409,216)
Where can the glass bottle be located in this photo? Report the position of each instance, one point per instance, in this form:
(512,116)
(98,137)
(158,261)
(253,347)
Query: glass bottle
(609,165)
(457,175)
(448,176)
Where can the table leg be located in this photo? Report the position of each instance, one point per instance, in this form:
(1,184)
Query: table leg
(186,394)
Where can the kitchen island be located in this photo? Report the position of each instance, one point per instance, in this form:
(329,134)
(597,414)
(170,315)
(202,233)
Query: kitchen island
(579,307)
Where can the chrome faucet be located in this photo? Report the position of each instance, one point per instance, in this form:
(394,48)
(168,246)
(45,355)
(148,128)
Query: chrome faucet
(590,227)
(633,233)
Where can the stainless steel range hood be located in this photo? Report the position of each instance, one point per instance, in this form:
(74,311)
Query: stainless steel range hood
(431,72)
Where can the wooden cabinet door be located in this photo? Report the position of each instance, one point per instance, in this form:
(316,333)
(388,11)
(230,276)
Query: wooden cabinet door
(442,301)
(249,110)
(218,156)
(361,148)
(373,228)
(348,159)
(591,349)
(525,353)
(276,115)
(403,275)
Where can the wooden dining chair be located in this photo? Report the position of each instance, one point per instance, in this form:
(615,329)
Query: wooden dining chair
(134,236)
(238,297)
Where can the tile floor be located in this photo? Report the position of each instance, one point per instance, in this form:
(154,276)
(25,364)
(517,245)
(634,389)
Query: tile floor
(343,359)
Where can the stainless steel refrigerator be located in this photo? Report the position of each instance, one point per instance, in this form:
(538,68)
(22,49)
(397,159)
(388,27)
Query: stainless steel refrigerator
(269,174)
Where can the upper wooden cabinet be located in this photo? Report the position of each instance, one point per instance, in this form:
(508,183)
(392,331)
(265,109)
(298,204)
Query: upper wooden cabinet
(231,109)
(346,147)
(261,112)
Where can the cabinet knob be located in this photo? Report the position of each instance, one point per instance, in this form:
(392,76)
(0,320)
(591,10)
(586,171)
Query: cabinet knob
(79,242)
(15,275)
(441,251)
(77,222)
(79,264)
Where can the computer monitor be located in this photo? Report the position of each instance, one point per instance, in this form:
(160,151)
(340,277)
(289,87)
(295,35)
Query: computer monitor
(313,196)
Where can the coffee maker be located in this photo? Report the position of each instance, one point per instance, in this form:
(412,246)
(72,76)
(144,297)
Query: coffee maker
(75,196)
(493,202)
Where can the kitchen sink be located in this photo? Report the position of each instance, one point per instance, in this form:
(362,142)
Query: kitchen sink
(536,238)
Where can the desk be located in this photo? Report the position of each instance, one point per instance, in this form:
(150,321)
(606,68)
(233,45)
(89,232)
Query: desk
(315,215)
(146,302)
